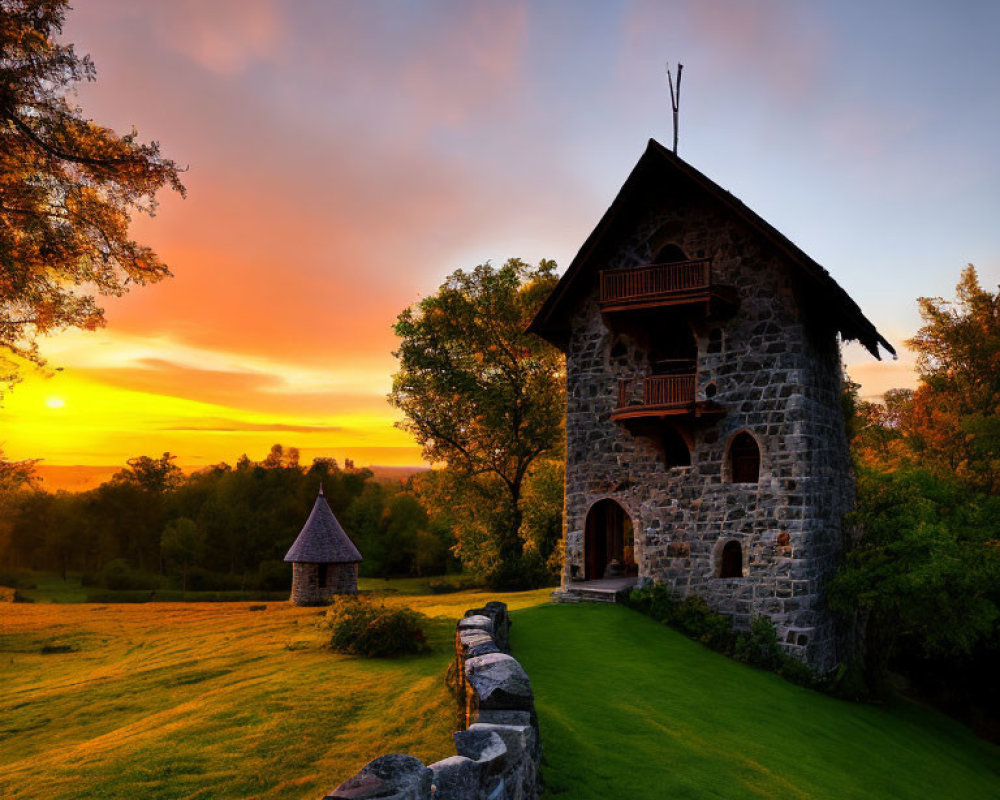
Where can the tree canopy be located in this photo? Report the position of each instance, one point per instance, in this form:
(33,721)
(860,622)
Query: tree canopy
(954,421)
(950,424)
(479,393)
(68,187)
(922,567)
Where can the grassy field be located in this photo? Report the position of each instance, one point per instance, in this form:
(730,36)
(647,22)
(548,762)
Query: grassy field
(213,701)
(631,709)
(210,701)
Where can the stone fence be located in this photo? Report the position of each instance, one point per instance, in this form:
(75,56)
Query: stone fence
(498,747)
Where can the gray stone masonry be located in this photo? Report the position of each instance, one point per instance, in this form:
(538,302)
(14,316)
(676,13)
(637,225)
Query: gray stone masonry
(498,749)
(777,375)
(306,587)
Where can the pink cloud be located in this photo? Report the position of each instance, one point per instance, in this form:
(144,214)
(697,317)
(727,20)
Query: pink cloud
(223,36)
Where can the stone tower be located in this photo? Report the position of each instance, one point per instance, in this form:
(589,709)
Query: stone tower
(705,441)
(324,559)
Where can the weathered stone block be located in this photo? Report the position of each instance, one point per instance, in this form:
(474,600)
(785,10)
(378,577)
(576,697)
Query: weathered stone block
(477,621)
(456,778)
(499,681)
(390,777)
(476,642)
(519,739)
(485,747)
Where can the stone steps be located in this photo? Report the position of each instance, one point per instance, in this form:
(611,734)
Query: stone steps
(584,595)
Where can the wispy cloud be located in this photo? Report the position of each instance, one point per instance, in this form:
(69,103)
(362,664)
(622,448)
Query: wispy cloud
(220,425)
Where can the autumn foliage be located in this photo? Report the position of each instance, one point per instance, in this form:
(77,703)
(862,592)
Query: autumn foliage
(68,188)
(921,576)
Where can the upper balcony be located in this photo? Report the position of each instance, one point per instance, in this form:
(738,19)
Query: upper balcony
(679,284)
(659,396)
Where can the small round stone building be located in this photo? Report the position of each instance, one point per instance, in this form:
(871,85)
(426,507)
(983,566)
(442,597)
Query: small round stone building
(324,559)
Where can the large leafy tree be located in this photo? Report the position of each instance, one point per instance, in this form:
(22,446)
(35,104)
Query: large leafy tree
(950,423)
(68,188)
(479,394)
(953,423)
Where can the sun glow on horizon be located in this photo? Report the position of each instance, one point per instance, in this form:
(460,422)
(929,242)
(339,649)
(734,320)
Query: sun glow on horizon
(115,400)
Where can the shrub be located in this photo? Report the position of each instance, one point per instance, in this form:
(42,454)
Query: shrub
(456,584)
(527,571)
(274,576)
(359,627)
(692,616)
(201,580)
(760,647)
(118,574)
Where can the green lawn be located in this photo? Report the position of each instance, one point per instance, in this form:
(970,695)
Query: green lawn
(631,709)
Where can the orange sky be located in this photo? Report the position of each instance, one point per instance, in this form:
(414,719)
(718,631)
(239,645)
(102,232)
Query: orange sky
(344,159)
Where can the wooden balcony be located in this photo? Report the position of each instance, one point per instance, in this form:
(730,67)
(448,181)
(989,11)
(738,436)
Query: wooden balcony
(661,396)
(685,283)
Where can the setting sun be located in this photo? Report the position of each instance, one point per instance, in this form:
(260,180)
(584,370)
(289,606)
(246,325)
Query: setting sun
(54,402)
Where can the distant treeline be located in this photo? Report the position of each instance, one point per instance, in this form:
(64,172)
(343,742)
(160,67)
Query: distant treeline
(222,527)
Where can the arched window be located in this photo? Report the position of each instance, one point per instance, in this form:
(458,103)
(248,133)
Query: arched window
(732,561)
(669,254)
(744,459)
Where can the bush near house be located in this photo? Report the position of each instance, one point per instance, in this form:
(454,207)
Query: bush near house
(691,616)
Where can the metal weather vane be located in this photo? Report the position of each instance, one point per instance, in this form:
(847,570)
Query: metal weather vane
(675,97)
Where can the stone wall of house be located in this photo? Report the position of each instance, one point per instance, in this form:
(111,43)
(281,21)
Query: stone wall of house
(498,748)
(307,589)
(776,371)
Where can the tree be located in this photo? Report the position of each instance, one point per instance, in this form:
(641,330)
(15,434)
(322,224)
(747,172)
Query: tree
(479,394)
(67,189)
(923,576)
(953,422)
(183,544)
(155,475)
(17,474)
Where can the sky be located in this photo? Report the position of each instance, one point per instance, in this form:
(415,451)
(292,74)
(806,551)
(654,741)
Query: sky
(344,157)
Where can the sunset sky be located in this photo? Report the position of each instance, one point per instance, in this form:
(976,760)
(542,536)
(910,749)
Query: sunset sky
(345,157)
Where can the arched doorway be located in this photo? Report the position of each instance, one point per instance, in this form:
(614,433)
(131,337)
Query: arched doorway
(608,536)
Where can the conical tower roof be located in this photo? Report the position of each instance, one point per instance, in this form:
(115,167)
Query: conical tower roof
(322,540)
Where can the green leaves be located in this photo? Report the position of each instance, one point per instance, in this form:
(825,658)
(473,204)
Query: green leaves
(926,568)
(479,394)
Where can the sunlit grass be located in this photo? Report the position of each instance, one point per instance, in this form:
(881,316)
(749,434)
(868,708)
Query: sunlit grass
(629,708)
(199,700)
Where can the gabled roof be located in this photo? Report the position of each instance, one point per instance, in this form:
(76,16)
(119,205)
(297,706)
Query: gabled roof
(322,540)
(657,166)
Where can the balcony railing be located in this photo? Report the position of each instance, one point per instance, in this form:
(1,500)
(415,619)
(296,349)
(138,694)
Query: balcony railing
(653,393)
(648,284)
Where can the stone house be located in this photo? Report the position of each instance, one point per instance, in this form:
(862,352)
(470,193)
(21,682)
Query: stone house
(324,559)
(705,441)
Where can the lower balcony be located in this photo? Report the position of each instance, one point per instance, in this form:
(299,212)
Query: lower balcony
(658,396)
